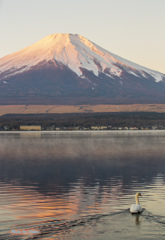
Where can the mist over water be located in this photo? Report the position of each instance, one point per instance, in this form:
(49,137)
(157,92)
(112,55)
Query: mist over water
(80,185)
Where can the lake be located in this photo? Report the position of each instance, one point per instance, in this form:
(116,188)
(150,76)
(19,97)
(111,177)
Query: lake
(80,185)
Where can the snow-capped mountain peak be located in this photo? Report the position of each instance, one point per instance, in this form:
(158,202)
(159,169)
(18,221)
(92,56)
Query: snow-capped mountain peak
(70,69)
(75,52)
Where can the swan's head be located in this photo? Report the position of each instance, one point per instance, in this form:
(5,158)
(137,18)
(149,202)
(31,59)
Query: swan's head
(138,194)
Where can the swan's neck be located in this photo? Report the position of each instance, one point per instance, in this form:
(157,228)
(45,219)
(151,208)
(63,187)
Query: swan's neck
(137,199)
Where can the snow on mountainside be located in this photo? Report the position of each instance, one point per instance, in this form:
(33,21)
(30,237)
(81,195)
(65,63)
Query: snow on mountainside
(75,52)
(70,69)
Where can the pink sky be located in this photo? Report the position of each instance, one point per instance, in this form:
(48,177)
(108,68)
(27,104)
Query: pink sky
(131,29)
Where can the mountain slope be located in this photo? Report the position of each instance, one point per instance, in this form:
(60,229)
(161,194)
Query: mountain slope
(69,69)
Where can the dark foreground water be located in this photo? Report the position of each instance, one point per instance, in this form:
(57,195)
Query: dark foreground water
(80,185)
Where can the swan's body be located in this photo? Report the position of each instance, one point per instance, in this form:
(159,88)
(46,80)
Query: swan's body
(136,208)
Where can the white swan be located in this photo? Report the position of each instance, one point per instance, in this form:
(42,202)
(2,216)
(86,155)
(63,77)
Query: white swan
(136,208)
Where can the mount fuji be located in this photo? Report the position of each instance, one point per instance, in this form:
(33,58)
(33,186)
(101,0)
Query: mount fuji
(70,69)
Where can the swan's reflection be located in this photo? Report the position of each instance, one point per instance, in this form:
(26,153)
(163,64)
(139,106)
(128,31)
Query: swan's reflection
(137,222)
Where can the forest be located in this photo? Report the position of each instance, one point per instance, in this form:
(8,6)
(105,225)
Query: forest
(139,120)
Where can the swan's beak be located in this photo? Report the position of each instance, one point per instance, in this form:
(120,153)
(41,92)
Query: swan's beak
(140,195)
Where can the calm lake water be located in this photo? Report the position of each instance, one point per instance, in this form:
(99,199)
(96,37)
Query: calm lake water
(80,185)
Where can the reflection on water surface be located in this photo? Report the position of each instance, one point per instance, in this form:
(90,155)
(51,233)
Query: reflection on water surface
(68,184)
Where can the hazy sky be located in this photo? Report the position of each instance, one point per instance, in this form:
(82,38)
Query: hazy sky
(133,29)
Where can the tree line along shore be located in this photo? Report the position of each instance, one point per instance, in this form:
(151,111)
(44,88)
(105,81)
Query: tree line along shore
(85,121)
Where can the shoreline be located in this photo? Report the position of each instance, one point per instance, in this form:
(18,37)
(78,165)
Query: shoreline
(88,131)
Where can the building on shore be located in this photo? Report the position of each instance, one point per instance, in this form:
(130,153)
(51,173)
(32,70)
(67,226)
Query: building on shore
(98,127)
(30,128)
